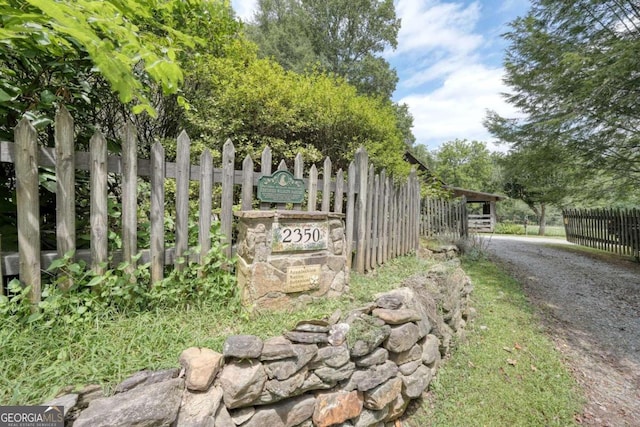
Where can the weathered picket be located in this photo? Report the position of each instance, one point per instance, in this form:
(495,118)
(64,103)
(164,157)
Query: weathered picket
(613,230)
(381,215)
(443,218)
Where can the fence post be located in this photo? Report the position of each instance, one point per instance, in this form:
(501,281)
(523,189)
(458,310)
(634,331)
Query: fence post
(183,172)
(206,193)
(157,247)
(247,183)
(226,214)
(265,169)
(65,187)
(350,217)
(362,162)
(130,197)
(28,208)
(326,185)
(99,203)
(339,194)
(313,189)
(298,172)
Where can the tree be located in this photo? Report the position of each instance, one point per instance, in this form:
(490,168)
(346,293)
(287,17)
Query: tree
(573,70)
(344,37)
(540,176)
(465,164)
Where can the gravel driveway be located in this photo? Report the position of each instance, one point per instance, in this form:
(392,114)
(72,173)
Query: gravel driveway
(591,309)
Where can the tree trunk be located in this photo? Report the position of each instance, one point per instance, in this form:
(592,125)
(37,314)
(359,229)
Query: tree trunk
(543,219)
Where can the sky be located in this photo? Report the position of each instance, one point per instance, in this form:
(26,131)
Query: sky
(449,63)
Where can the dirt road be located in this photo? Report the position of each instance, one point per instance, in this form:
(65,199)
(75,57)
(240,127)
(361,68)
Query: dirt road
(591,308)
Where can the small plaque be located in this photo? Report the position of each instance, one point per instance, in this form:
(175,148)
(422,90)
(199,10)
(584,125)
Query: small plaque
(281,187)
(302,278)
(299,236)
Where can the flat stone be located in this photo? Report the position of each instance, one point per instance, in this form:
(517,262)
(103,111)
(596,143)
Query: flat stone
(377,357)
(67,401)
(151,405)
(199,408)
(146,377)
(289,386)
(336,407)
(398,316)
(430,350)
(312,326)
(285,368)
(380,396)
(333,357)
(242,415)
(334,375)
(397,407)
(410,367)
(402,337)
(335,317)
(390,301)
(372,377)
(414,353)
(338,333)
(290,413)
(223,419)
(277,351)
(369,339)
(242,347)
(415,384)
(201,365)
(369,417)
(313,382)
(242,382)
(307,337)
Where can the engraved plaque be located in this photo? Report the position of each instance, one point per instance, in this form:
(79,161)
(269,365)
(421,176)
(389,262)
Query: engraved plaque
(281,187)
(299,236)
(302,278)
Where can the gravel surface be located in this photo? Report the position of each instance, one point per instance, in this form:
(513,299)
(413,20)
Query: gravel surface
(591,309)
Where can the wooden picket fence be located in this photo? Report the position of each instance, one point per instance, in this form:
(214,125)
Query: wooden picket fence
(382,216)
(444,218)
(613,230)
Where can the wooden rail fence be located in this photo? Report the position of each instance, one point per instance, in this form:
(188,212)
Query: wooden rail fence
(382,216)
(613,230)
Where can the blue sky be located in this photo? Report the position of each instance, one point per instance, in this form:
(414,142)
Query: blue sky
(449,61)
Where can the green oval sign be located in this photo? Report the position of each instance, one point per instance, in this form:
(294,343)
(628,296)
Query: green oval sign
(281,187)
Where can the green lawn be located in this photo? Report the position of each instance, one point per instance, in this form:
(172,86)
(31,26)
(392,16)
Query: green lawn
(507,372)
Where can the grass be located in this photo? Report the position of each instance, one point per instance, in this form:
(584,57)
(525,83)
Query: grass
(477,386)
(36,363)
(507,372)
(550,230)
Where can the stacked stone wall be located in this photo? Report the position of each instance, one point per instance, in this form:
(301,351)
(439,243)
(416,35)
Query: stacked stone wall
(360,368)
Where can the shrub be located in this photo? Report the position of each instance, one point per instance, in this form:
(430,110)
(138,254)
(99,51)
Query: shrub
(509,228)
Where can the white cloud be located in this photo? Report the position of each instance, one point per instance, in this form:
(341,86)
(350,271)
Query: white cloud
(458,107)
(433,25)
(244,8)
(442,59)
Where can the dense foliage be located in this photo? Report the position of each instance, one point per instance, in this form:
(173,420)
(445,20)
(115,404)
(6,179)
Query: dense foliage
(255,103)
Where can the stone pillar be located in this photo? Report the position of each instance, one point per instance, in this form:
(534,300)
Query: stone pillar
(288,257)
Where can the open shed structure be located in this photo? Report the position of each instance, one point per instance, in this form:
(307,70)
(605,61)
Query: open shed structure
(483,221)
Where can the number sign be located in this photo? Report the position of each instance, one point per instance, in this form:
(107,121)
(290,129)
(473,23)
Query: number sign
(299,236)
